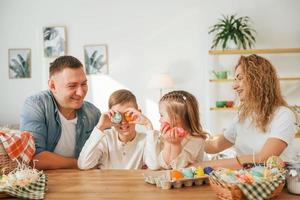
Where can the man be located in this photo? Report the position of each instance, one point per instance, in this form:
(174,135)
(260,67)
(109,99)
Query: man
(59,118)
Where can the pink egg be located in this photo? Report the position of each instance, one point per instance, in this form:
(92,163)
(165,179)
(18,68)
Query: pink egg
(181,132)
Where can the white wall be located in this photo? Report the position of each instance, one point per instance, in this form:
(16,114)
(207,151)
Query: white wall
(143,38)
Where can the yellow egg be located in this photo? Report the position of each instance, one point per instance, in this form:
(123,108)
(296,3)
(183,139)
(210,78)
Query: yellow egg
(199,172)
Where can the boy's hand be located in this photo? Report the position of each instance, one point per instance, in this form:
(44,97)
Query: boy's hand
(134,116)
(105,120)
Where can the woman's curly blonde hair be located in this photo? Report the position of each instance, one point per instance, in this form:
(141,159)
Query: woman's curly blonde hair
(264,94)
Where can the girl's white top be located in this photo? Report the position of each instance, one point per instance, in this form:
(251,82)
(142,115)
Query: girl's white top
(192,152)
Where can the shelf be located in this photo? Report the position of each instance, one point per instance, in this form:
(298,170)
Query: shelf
(231,80)
(235,108)
(223,109)
(254,51)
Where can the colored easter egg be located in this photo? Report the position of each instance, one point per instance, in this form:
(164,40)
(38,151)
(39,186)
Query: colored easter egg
(208,170)
(117,118)
(257,174)
(180,132)
(175,174)
(129,117)
(267,172)
(199,172)
(275,161)
(188,173)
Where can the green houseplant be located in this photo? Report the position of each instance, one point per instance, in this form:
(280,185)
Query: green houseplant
(232,29)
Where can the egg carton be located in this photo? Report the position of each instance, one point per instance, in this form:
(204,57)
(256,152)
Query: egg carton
(162,179)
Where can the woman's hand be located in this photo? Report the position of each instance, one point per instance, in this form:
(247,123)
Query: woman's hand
(217,144)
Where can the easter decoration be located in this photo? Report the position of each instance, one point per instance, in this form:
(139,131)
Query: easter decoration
(117,117)
(21,180)
(178,178)
(24,182)
(254,181)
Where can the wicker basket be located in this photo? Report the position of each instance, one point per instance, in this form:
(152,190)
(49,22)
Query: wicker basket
(6,164)
(233,192)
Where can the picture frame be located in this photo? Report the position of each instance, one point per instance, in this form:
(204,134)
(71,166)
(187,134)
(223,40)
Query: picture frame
(96,59)
(54,38)
(19,63)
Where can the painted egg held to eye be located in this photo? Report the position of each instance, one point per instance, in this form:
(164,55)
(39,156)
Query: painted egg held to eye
(129,117)
(117,118)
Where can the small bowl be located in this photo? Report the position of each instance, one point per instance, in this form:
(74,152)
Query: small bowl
(229,104)
(220,104)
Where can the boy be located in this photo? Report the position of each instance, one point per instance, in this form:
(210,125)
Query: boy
(114,142)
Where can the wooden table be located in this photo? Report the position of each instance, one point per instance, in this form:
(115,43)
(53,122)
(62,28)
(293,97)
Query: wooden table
(120,184)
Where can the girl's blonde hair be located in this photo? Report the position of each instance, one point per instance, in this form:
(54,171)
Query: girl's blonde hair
(183,105)
(264,94)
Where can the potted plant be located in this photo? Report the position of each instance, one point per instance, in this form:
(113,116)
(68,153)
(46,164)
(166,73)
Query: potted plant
(232,29)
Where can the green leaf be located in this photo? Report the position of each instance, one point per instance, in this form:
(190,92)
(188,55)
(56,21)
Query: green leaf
(231,27)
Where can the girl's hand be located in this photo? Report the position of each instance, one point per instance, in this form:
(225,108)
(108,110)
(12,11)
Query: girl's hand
(105,120)
(174,137)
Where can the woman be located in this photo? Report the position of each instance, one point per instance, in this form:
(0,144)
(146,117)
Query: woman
(264,126)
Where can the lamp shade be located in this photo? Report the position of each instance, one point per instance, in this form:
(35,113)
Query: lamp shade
(161,81)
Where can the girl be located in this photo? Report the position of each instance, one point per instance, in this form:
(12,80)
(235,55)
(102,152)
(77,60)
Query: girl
(181,131)
(114,142)
(264,126)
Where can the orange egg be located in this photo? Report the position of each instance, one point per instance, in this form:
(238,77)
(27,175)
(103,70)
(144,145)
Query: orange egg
(175,174)
(129,117)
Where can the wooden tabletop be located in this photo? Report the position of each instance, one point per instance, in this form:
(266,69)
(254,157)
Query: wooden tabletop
(120,184)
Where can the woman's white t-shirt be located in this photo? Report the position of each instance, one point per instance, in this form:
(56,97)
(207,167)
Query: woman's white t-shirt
(248,139)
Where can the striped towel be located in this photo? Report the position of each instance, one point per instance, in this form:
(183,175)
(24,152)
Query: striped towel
(262,190)
(18,146)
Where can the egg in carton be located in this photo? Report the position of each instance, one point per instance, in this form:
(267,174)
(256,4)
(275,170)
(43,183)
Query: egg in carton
(187,177)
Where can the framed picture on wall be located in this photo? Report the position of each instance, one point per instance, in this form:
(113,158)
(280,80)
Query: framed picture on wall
(54,41)
(19,62)
(96,59)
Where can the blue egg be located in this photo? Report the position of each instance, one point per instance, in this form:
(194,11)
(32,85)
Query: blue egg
(257,174)
(208,170)
(117,118)
(188,173)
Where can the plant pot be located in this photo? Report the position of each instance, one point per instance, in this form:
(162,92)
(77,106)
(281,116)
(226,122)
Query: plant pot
(229,104)
(220,104)
(220,74)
